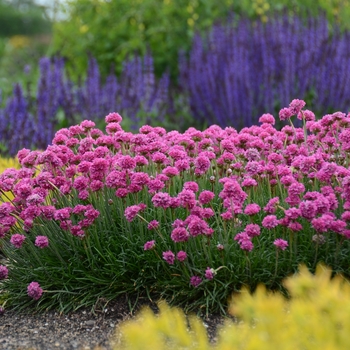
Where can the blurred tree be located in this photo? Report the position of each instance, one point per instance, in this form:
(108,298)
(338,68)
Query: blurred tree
(22,17)
(112,30)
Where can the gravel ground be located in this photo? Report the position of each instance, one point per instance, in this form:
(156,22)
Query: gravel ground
(80,330)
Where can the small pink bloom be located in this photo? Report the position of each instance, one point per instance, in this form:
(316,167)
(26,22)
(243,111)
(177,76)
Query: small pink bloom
(181,256)
(121,192)
(3,272)
(34,290)
(112,128)
(252,230)
(270,207)
(113,118)
(169,257)
(62,214)
(41,241)
(149,245)
(195,281)
(246,245)
(180,234)
(17,240)
(296,106)
(153,225)
(209,273)
(206,197)
(191,186)
(249,182)
(131,212)
(285,113)
(87,124)
(252,209)
(280,243)
(161,200)
(267,118)
(270,221)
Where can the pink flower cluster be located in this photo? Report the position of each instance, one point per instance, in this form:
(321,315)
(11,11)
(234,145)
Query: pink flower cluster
(203,182)
(34,290)
(3,272)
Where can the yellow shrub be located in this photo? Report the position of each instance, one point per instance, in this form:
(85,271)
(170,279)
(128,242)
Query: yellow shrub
(6,163)
(316,316)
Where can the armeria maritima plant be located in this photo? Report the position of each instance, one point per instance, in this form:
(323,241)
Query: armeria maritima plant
(188,217)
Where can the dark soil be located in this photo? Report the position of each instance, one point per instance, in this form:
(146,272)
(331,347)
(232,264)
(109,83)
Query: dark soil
(78,330)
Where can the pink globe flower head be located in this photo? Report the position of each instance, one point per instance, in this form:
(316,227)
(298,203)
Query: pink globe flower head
(197,226)
(126,162)
(170,171)
(121,192)
(246,245)
(296,106)
(152,225)
(169,257)
(3,272)
(249,182)
(41,241)
(113,118)
(62,214)
(252,230)
(285,113)
(187,199)
(280,244)
(191,186)
(295,226)
(161,200)
(220,246)
(195,281)
(34,290)
(180,234)
(206,197)
(112,128)
(17,240)
(87,124)
(202,164)
(149,245)
(270,221)
(292,213)
(267,118)
(209,273)
(252,209)
(309,116)
(131,212)
(181,256)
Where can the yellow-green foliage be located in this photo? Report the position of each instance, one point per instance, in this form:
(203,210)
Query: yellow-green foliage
(316,317)
(6,163)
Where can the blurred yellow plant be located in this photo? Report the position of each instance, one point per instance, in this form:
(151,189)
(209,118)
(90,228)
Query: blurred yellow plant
(6,163)
(19,41)
(316,316)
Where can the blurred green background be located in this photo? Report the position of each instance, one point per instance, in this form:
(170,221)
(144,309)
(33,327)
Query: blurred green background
(112,30)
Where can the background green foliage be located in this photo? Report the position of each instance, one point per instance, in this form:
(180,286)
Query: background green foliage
(112,30)
(25,35)
(22,17)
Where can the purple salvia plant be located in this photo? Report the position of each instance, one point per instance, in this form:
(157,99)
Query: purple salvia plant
(135,93)
(240,71)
